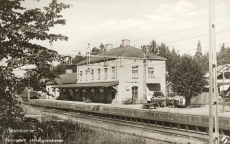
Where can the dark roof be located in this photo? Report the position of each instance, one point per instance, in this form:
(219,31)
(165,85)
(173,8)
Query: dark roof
(92,84)
(70,78)
(127,51)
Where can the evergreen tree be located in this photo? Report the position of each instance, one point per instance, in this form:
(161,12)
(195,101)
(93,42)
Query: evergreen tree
(153,48)
(222,49)
(163,50)
(205,62)
(95,51)
(102,48)
(198,54)
(200,58)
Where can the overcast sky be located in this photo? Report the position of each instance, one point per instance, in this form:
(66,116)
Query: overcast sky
(140,21)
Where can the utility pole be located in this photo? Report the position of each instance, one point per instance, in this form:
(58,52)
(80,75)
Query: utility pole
(223,91)
(213,99)
(144,73)
(29,93)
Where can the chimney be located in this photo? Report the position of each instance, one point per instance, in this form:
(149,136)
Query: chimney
(125,42)
(68,71)
(108,47)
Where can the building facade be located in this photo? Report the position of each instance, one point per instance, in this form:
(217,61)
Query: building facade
(118,74)
(223,77)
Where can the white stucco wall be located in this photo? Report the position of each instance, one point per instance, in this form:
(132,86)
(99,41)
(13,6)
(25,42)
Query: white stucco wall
(124,75)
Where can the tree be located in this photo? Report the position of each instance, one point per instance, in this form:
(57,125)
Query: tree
(172,59)
(102,47)
(200,58)
(163,50)
(18,27)
(153,47)
(222,49)
(223,57)
(60,68)
(95,51)
(205,62)
(198,54)
(187,77)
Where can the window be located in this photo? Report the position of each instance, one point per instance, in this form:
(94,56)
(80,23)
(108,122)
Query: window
(134,93)
(113,72)
(135,72)
(227,75)
(80,76)
(92,74)
(53,89)
(105,69)
(150,72)
(86,75)
(98,74)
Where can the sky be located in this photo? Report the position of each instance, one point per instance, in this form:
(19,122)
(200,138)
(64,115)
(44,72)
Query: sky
(177,23)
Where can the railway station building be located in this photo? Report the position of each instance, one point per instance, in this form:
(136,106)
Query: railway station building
(117,74)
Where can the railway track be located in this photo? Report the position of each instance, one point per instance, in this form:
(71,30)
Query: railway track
(150,128)
(183,125)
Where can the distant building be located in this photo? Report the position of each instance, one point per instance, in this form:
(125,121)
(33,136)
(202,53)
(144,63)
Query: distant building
(223,77)
(117,74)
(67,78)
(169,89)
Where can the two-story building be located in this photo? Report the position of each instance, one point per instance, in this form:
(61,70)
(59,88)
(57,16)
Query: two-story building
(117,74)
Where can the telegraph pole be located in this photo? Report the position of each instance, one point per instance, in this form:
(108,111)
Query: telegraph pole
(144,73)
(213,99)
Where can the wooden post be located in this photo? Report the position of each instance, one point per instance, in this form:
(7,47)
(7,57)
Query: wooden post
(29,93)
(144,75)
(223,91)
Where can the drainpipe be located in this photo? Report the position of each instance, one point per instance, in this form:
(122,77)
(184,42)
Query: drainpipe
(116,69)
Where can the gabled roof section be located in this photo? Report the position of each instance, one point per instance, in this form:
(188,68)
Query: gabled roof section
(169,83)
(127,51)
(70,78)
(220,67)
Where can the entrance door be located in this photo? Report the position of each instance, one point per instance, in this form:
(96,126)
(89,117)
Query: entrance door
(134,93)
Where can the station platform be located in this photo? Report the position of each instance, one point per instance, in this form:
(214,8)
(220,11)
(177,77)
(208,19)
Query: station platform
(202,111)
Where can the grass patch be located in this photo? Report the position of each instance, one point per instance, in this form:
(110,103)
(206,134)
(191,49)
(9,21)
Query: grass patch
(72,132)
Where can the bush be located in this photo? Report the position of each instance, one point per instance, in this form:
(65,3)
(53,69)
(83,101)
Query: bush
(157,93)
(127,101)
(86,100)
(140,101)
